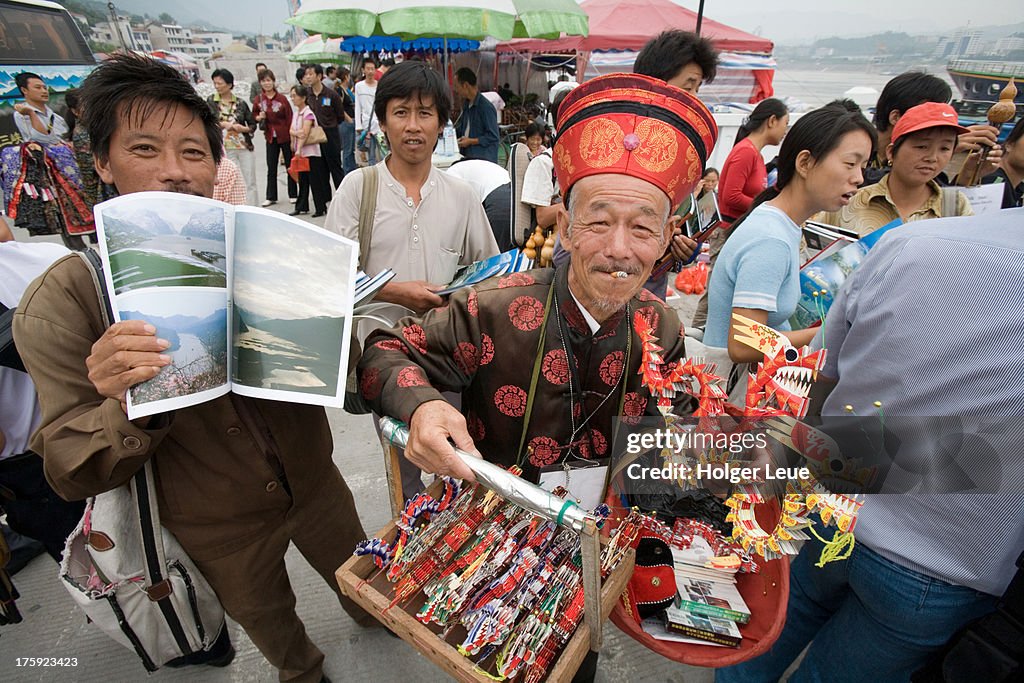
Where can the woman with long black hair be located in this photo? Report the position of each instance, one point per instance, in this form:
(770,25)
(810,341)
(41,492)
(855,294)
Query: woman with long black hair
(820,168)
(744,176)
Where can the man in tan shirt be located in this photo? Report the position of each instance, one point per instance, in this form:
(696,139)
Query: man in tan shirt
(426,223)
(238,479)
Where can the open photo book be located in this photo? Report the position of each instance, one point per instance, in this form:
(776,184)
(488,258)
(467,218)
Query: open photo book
(823,275)
(251,301)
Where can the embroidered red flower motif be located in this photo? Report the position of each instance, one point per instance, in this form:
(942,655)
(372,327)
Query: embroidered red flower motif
(526,313)
(633,408)
(651,316)
(475,427)
(576,411)
(411,376)
(370,384)
(510,400)
(516,280)
(543,451)
(472,305)
(599,443)
(486,349)
(611,368)
(646,295)
(391,345)
(415,335)
(466,357)
(583,448)
(555,367)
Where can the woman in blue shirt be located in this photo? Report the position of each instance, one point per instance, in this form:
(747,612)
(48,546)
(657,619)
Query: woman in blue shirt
(758,271)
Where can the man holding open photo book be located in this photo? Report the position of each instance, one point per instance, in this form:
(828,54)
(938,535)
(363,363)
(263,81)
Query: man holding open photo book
(238,478)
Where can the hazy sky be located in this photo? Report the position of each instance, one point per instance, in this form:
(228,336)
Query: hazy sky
(288,273)
(788,21)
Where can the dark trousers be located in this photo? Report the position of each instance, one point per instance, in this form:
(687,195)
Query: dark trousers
(318,179)
(348,146)
(498,207)
(274,150)
(253,585)
(330,151)
(33,508)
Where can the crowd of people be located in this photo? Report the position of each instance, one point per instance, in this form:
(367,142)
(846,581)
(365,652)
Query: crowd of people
(239,479)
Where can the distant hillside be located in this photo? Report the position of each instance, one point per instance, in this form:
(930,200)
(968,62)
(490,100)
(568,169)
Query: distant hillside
(890,43)
(308,333)
(234,16)
(209,329)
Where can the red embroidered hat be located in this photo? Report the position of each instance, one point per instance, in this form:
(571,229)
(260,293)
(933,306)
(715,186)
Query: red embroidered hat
(633,125)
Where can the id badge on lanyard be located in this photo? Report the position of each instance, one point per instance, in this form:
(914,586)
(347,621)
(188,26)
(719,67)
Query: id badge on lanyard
(585,480)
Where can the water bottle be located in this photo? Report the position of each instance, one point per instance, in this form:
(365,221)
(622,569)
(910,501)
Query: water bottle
(451,144)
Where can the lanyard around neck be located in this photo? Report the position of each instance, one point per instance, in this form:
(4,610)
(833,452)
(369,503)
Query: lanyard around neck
(538,359)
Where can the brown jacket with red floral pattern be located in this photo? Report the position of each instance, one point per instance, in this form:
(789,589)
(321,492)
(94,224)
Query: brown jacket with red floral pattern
(484,344)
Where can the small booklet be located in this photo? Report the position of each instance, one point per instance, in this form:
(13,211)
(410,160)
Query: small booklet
(711,598)
(512,261)
(704,215)
(820,236)
(701,627)
(252,301)
(656,628)
(822,276)
(367,287)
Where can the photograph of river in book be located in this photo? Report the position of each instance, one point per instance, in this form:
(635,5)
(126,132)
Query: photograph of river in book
(178,244)
(195,323)
(297,355)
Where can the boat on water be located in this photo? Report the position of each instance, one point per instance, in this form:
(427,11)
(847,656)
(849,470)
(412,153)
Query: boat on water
(981,81)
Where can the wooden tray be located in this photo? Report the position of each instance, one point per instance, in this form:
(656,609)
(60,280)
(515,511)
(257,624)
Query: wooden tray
(372,595)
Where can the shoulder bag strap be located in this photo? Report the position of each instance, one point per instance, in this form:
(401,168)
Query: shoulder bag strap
(367,213)
(143,487)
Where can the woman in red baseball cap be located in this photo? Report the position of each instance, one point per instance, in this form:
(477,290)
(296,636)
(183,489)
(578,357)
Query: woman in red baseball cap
(922,144)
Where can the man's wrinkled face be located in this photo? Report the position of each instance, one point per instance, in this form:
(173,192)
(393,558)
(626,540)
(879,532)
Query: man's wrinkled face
(618,228)
(159,147)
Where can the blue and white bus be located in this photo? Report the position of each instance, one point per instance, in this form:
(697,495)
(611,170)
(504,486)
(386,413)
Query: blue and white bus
(41,37)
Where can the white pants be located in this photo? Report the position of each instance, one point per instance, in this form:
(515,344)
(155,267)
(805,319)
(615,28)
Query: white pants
(246,162)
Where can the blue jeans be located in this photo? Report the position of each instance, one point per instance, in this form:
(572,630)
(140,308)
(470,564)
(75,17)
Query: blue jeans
(866,618)
(348,146)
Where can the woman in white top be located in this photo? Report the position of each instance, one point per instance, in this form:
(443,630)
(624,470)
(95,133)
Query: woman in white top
(318,177)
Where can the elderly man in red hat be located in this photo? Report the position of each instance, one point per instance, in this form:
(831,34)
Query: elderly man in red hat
(547,360)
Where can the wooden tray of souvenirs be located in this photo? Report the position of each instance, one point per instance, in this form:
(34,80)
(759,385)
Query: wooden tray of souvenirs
(362,581)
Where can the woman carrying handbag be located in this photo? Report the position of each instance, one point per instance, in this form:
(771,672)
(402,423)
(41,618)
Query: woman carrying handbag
(307,164)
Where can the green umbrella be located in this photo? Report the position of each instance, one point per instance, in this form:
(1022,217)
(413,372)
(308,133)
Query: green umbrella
(472,19)
(317,49)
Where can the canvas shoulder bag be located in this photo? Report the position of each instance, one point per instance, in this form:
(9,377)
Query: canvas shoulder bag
(129,574)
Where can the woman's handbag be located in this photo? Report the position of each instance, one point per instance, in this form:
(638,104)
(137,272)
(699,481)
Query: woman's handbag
(316,136)
(298,165)
(131,576)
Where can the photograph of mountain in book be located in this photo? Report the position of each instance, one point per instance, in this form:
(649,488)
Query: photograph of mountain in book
(289,308)
(181,246)
(194,321)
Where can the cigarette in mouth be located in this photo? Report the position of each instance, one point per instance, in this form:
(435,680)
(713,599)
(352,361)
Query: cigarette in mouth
(621,274)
